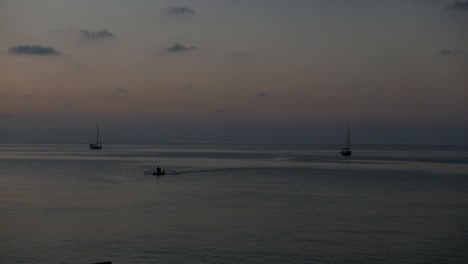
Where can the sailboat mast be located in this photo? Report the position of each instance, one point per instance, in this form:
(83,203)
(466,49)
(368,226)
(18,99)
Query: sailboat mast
(97,134)
(99,137)
(348,139)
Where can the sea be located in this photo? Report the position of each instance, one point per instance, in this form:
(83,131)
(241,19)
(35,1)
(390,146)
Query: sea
(233,203)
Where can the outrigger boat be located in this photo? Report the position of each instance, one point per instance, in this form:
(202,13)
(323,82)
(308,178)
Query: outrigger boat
(159,173)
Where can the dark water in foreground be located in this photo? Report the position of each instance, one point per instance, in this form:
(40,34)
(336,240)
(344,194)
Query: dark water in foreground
(233,204)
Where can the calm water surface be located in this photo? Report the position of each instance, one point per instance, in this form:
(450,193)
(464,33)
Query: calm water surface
(233,203)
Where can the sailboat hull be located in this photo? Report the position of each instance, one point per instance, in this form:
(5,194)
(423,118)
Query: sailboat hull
(98,144)
(94,146)
(346,152)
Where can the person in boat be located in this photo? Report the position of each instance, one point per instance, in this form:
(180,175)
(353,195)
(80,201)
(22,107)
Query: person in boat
(158,170)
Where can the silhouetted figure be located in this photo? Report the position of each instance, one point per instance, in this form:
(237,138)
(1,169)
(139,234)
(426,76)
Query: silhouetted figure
(158,170)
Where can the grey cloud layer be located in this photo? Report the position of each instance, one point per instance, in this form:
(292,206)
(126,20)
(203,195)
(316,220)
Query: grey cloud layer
(242,54)
(451,51)
(185,87)
(445,52)
(7,116)
(461,5)
(179,11)
(33,50)
(262,95)
(179,48)
(96,35)
(293,61)
(121,91)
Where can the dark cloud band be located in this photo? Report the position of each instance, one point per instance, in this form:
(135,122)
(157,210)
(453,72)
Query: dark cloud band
(262,95)
(96,35)
(179,11)
(445,52)
(121,91)
(242,55)
(7,116)
(179,48)
(34,50)
(461,5)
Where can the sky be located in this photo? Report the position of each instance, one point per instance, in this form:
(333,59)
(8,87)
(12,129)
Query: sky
(297,71)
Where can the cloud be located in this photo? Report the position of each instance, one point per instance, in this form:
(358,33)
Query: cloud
(6,116)
(445,52)
(262,95)
(65,105)
(96,35)
(55,31)
(179,11)
(376,90)
(185,87)
(26,96)
(242,55)
(33,50)
(179,48)
(121,91)
(461,5)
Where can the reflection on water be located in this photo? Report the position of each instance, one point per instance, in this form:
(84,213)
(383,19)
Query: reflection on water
(233,203)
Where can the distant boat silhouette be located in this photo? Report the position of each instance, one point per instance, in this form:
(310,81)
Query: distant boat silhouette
(155,173)
(346,151)
(98,144)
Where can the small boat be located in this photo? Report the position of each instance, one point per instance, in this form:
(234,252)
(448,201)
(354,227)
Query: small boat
(346,151)
(98,144)
(159,172)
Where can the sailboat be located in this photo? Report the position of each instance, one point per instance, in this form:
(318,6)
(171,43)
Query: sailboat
(98,144)
(346,151)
